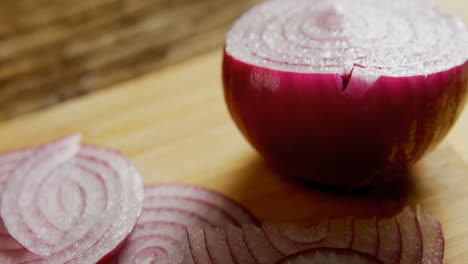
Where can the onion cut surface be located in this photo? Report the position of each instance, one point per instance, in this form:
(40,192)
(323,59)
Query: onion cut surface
(379,240)
(433,238)
(70,203)
(162,232)
(370,85)
(9,161)
(390,252)
(198,204)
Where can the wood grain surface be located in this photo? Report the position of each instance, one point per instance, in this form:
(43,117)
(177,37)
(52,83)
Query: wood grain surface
(174,126)
(53,50)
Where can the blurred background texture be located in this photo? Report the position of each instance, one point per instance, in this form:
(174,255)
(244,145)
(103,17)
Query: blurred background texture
(54,50)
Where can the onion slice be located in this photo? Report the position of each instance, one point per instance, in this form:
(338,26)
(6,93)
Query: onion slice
(9,161)
(366,236)
(330,255)
(184,211)
(432,238)
(207,206)
(70,203)
(411,237)
(157,242)
(236,241)
(379,241)
(218,246)
(259,245)
(389,240)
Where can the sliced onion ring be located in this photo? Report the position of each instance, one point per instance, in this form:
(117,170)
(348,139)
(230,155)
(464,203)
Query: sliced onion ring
(208,206)
(266,245)
(70,203)
(9,161)
(168,210)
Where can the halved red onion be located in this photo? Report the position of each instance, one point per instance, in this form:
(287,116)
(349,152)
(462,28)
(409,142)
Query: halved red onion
(177,207)
(330,255)
(368,85)
(70,203)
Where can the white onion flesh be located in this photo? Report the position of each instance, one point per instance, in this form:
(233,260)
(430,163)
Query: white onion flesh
(70,203)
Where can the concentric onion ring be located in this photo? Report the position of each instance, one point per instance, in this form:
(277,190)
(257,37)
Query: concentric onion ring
(9,161)
(70,203)
(198,204)
(369,85)
(161,232)
(391,38)
(175,242)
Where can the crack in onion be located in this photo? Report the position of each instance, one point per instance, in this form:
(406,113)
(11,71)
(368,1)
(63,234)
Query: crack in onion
(70,203)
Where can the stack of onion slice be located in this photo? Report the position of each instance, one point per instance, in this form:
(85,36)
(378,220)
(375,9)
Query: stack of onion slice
(406,238)
(67,203)
(162,233)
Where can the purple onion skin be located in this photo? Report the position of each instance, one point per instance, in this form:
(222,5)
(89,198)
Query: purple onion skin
(318,128)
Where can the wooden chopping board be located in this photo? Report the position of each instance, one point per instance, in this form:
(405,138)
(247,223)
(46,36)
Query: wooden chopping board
(175,127)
